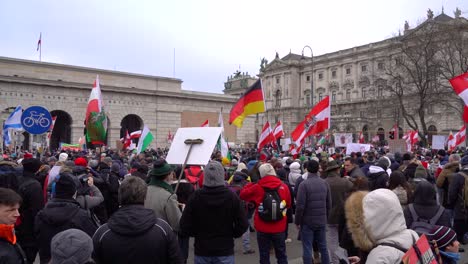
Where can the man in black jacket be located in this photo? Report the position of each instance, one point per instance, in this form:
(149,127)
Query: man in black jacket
(456,201)
(61,213)
(10,251)
(133,234)
(214,216)
(30,191)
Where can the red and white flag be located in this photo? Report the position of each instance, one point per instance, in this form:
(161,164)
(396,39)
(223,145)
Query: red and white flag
(451,141)
(39,42)
(278,131)
(460,86)
(361,138)
(315,122)
(396,131)
(376,138)
(126,140)
(295,150)
(414,137)
(206,123)
(266,137)
(457,139)
(135,134)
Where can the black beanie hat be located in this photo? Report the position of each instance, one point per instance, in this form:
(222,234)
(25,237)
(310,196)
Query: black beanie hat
(65,187)
(31,165)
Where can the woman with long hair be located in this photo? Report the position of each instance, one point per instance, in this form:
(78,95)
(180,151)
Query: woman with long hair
(398,184)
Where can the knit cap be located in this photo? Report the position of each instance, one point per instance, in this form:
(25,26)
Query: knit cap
(213,174)
(81,162)
(266,170)
(420,172)
(63,156)
(443,235)
(71,246)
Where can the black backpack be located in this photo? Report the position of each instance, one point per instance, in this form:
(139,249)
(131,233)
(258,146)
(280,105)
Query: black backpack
(271,209)
(424,226)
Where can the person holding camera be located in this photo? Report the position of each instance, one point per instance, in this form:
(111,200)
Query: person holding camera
(88,195)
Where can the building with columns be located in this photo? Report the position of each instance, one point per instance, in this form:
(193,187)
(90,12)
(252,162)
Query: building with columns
(130,101)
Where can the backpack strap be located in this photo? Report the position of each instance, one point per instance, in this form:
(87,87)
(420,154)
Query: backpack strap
(436,217)
(394,246)
(414,215)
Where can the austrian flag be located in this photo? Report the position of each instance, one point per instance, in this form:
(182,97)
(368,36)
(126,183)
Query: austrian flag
(460,85)
(266,137)
(317,121)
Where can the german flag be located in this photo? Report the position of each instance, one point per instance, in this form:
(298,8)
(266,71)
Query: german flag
(252,102)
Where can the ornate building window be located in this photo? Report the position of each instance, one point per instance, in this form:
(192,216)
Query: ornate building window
(308,78)
(431,130)
(333,74)
(379,113)
(348,71)
(363,92)
(278,98)
(320,96)
(277,80)
(364,68)
(307,97)
(333,96)
(320,76)
(348,94)
(380,91)
(381,66)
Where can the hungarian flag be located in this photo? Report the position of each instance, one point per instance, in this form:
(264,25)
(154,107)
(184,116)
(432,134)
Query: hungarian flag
(460,85)
(95,119)
(266,137)
(278,131)
(206,123)
(361,138)
(135,134)
(321,140)
(145,140)
(316,121)
(251,102)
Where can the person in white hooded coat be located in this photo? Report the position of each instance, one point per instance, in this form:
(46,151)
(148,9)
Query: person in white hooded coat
(295,173)
(376,218)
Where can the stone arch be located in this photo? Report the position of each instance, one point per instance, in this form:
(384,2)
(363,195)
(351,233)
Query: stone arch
(62,129)
(131,123)
(431,131)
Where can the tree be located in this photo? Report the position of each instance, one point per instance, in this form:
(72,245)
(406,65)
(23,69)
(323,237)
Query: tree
(422,62)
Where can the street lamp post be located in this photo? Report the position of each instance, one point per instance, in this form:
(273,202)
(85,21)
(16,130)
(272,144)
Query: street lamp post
(311,102)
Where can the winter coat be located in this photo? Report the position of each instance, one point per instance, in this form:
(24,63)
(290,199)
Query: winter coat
(378,178)
(9,174)
(314,202)
(445,178)
(164,204)
(339,188)
(402,195)
(410,170)
(59,215)
(90,201)
(11,253)
(375,218)
(109,188)
(214,217)
(295,173)
(134,235)
(425,205)
(254,192)
(356,172)
(455,195)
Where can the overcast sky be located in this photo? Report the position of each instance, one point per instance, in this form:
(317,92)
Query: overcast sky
(212,38)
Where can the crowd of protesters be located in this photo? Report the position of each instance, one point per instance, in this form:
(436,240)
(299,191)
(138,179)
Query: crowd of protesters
(120,207)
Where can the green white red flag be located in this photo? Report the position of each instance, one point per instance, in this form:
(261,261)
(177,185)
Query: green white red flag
(96,119)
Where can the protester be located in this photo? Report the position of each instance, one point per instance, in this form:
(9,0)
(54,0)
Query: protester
(269,232)
(134,234)
(71,246)
(352,169)
(10,250)
(446,175)
(457,200)
(214,217)
(447,244)
(313,205)
(398,184)
(378,176)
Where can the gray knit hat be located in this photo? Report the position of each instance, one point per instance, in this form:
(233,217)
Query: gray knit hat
(214,174)
(71,246)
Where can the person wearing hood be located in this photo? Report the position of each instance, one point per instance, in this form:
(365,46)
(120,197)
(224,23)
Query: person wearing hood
(214,217)
(378,176)
(425,206)
(376,218)
(294,173)
(30,191)
(456,201)
(71,246)
(134,234)
(446,175)
(61,213)
(273,232)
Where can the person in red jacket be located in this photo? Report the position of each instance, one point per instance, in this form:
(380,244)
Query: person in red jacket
(269,231)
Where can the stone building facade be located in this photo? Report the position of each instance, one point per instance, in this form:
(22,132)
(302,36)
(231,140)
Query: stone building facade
(357,83)
(130,100)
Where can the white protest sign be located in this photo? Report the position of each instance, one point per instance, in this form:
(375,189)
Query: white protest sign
(438,142)
(342,139)
(201,153)
(356,147)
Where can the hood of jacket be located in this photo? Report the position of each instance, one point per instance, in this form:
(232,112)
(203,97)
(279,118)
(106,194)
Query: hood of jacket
(375,169)
(59,211)
(377,217)
(271,182)
(452,166)
(132,220)
(425,194)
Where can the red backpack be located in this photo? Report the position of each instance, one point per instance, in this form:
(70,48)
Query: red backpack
(194,175)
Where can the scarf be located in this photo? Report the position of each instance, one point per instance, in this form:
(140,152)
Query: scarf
(161,184)
(450,255)
(7,232)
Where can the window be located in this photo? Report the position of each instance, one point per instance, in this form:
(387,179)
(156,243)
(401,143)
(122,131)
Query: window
(364,68)
(379,113)
(320,96)
(307,99)
(381,66)
(362,114)
(333,74)
(348,94)
(277,80)
(430,109)
(334,96)
(346,113)
(320,76)
(363,92)
(278,98)
(380,91)
(308,78)
(348,71)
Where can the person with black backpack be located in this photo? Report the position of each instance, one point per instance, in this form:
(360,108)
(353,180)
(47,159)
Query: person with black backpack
(458,200)
(272,200)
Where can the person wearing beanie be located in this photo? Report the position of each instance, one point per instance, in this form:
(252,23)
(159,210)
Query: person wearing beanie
(268,232)
(368,160)
(10,250)
(442,156)
(30,190)
(160,196)
(214,211)
(378,176)
(445,240)
(71,246)
(134,234)
(80,161)
(61,213)
(313,205)
(63,157)
(294,173)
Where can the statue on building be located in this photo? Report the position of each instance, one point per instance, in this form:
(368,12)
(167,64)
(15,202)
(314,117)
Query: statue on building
(237,74)
(277,56)
(430,14)
(457,13)
(263,64)
(406,25)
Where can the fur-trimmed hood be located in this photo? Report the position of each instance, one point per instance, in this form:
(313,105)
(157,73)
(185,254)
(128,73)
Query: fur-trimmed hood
(377,217)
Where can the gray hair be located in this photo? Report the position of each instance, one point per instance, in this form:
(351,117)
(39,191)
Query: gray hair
(132,191)
(455,157)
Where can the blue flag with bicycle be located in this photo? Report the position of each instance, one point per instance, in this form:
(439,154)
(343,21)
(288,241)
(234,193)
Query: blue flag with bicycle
(36,120)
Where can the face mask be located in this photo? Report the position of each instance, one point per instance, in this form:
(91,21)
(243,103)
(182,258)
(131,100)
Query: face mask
(451,255)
